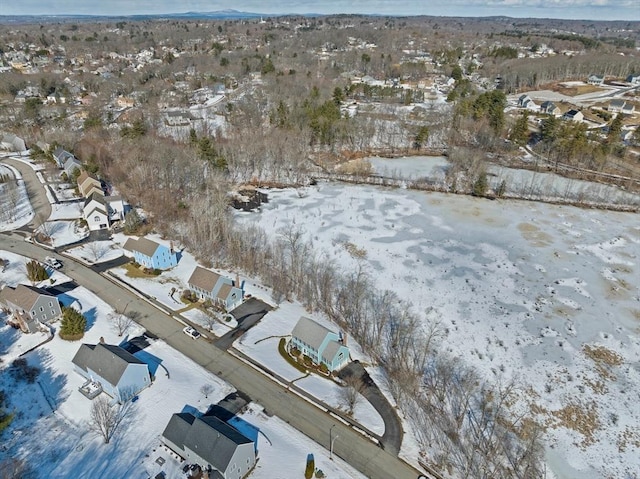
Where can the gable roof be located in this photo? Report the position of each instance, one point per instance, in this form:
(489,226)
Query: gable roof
(178,427)
(143,245)
(107,360)
(225,290)
(214,440)
(23,296)
(204,279)
(310,332)
(331,350)
(617,103)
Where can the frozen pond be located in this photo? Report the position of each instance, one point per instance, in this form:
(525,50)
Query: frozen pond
(525,183)
(519,287)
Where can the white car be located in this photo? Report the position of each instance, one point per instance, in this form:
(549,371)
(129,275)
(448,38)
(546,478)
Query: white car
(54,263)
(189,331)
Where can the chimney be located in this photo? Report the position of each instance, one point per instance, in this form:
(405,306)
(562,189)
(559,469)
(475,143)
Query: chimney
(344,338)
(171,246)
(237,283)
(101,339)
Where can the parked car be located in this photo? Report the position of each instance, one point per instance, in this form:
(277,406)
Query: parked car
(54,263)
(189,331)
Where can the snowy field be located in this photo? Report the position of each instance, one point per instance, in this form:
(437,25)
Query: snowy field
(64,232)
(51,414)
(15,208)
(548,295)
(96,251)
(526,183)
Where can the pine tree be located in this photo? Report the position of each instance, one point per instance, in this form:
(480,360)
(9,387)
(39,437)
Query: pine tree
(72,325)
(481,185)
(36,271)
(520,131)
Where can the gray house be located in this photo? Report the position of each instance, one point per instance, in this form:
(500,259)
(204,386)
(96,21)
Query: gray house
(60,155)
(120,374)
(211,443)
(30,306)
(217,288)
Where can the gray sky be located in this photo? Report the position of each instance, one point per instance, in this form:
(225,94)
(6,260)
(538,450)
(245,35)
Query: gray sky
(575,9)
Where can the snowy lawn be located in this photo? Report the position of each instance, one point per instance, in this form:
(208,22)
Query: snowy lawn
(15,208)
(547,295)
(66,211)
(64,232)
(96,251)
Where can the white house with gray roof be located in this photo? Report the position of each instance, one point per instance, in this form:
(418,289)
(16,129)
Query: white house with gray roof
(211,443)
(322,345)
(30,306)
(119,372)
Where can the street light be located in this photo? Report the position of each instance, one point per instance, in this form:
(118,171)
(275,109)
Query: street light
(331,441)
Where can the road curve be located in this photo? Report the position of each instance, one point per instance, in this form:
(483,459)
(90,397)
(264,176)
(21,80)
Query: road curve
(350,445)
(35,190)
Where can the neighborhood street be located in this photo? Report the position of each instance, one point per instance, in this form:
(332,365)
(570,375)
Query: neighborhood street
(353,447)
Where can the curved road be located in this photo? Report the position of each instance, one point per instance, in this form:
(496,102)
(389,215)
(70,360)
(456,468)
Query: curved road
(350,445)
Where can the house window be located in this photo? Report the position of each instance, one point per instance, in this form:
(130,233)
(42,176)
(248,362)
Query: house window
(96,219)
(53,313)
(41,308)
(33,313)
(50,304)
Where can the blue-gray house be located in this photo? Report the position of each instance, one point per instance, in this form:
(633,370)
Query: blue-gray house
(320,344)
(150,254)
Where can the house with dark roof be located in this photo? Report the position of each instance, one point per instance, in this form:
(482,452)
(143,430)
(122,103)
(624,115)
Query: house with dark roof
(320,344)
(96,212)
(550,108)
(30,306)
(120,374)
(616,105)
(150,254)
(573,115)
(221,290)
(595,79)
(71,165)
(60,156)
(211,443)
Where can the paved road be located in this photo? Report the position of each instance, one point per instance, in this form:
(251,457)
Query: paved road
(350,445)
(35,190)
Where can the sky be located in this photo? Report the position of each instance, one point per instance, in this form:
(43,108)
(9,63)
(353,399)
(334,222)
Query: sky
(571,9)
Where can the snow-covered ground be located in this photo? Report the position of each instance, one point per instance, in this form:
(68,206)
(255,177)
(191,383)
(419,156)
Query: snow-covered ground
(15,208)
(51,414)
(545,294)
(525,183)
(96,251)
(64,232)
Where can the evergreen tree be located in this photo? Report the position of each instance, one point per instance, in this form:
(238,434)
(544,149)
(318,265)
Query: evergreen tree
(520,131)
(72,325)
(481,185)
(36,271)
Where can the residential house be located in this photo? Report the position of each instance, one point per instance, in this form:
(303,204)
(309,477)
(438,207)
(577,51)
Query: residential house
(320,344)
(616,105)
(209,285)
(595,80)
(60,156)
(30,306)
(628,108)
(71,165)
(150,254)
(211,443)
(120,374)
(116,207)
(550,108)
(89,184)
(524,100)
(573,115)
(11,142)
(635,79)
(96,212)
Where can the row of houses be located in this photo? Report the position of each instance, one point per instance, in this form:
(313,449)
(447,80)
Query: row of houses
(29,307)
(206,284)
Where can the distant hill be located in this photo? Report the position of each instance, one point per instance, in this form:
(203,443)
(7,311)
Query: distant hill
(218,14)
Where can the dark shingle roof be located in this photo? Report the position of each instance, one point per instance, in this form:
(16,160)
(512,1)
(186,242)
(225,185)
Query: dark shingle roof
(214,441)
(107,360)
(178,427)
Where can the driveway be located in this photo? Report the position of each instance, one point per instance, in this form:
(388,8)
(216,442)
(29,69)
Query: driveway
(392,437)
(247,315)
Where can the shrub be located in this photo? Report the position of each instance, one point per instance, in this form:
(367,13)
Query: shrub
(36,271)
(311,467)
(20,370)
(188,296)
(72,325)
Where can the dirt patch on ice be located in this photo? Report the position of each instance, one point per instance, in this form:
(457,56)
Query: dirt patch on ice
(534,235)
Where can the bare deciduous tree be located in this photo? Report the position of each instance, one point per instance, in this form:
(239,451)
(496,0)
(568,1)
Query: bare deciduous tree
(105,418)
(122,322)
(351,392)
(206,389)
